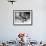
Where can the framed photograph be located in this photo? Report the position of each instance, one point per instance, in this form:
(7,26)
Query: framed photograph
(22,17)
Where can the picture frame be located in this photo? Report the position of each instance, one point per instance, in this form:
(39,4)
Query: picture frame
(22,17)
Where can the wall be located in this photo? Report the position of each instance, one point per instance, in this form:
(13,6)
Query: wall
(38,30)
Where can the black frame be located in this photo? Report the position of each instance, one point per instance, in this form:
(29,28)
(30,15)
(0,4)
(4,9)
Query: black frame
(24,24)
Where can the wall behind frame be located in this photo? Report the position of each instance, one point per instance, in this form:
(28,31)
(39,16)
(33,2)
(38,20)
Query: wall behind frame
(37,30)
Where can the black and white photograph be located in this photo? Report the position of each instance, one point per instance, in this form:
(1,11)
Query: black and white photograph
(22,17)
